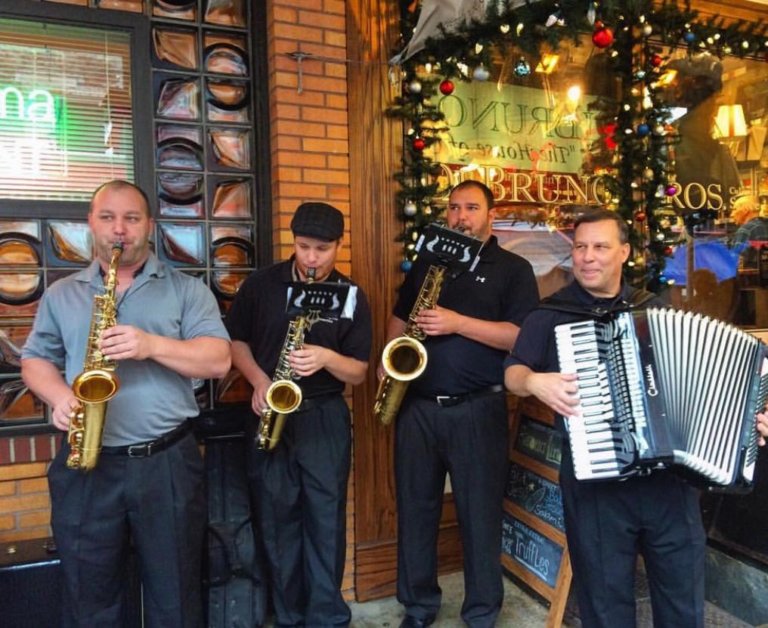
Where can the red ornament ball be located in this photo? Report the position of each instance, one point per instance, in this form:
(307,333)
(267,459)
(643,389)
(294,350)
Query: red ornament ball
(602,37)
(656,60)
(640,217)
(447,87)
(668,250)
(419,144)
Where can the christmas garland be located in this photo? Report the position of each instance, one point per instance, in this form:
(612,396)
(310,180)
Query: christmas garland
(634,150)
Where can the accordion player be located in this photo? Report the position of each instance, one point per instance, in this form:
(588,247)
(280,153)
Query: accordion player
(661,388)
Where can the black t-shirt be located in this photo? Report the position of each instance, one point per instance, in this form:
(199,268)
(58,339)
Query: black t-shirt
(502,287)
(258,318)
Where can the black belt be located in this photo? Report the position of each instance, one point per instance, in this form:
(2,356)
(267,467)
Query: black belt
(142,450)
(447,401)
(315,402)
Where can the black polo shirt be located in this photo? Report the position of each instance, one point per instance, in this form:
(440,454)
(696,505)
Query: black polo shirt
(258,318)
(502,287)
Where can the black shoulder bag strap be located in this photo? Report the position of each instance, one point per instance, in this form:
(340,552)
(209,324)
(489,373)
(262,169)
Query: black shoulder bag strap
(637,300)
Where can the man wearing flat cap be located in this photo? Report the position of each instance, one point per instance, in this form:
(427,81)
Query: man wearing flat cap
(299,488)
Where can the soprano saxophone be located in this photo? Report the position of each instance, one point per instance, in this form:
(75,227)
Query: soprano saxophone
(97,384)
(284,394)
(404,358)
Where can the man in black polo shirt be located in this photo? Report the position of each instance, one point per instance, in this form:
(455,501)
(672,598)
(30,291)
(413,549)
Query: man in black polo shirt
(454,419)
(608,523)
(300,487)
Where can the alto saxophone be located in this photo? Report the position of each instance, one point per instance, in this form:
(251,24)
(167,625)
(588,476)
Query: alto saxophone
(284,394)
(404,358)
(98,383)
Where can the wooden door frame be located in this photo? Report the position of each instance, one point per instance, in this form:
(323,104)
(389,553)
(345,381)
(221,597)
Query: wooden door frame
(375,153)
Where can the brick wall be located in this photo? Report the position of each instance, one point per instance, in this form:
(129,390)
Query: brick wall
(24,502)
(308,112)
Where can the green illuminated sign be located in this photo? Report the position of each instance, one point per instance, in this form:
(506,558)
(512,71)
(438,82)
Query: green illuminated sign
(37,106)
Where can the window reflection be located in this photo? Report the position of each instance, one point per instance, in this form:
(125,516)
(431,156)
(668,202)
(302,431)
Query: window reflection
(179,99)
(183,243)
(17,403)
(231,148)
(232,199)
(176,9)
(175,48)
(225,284)
(70,242)
(225,12)
(180,195)
(225,58)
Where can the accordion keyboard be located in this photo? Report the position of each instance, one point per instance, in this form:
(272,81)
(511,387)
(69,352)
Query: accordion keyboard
(601,443)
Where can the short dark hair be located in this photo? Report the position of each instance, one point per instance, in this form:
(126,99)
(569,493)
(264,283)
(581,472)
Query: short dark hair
(120,184)
(600,214)
(472,183)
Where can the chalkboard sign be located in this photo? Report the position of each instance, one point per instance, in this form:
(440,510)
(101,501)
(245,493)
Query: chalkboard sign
(534,549)
(537,553)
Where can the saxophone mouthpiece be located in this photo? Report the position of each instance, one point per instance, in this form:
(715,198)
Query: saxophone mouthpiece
(311,272)
(119,245)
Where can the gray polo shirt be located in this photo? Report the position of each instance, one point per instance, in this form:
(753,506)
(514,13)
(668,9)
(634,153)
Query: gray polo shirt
(152,399)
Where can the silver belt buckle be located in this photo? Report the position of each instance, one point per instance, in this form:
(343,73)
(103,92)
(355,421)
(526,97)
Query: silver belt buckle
(139,451)
(441,398)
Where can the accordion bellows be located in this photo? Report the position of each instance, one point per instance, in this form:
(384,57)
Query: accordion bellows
(661,388)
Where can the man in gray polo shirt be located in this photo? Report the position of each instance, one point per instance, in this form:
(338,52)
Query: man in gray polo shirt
(147,486)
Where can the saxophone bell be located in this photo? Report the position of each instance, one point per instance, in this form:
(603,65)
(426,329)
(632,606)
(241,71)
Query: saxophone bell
(404,358)
(283,396)
(95,386)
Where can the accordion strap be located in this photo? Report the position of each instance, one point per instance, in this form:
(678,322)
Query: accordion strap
(637,299)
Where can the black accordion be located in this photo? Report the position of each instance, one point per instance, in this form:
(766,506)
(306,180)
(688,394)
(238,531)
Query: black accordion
(661,388)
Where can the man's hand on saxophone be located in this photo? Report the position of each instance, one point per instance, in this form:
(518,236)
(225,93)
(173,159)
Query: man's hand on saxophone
(312,358)
(259,397)
(62,413)
(438,321)
(123,342)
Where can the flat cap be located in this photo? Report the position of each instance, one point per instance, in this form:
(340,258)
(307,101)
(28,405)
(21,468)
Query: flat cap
(318,220)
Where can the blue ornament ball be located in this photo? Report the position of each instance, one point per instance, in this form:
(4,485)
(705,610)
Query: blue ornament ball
(522,68)
(643,130)
(689,37)
(405,265)
(481,73)
(663,279)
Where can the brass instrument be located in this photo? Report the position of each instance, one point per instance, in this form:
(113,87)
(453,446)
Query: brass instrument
(284,394)
(98,383)
(404,358)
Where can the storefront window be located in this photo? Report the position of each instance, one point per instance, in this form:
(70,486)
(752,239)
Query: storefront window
(538,132)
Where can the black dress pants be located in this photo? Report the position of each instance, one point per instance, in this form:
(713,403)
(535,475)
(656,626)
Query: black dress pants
(157,504)
(609,523)
(300,495)
(468,442)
